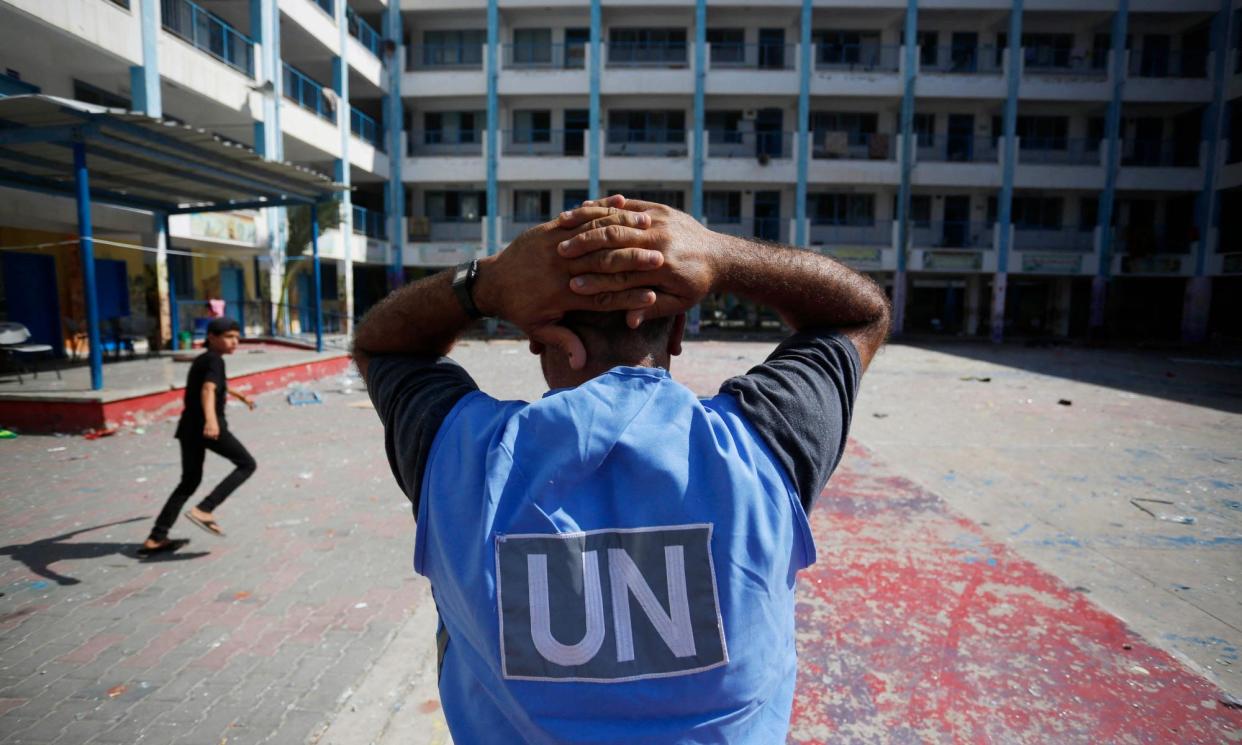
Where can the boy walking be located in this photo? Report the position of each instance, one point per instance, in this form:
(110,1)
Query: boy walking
(203,427)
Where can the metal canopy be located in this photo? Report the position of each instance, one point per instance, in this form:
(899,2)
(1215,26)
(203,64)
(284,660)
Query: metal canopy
(142,162)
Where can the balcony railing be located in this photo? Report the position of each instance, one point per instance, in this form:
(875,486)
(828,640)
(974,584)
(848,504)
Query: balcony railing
(1040,238)
(209,33)
(1149,240)
(327,6)
(868,233)
(1059,151)
(545,142)
(952,234)
(858,57)
(957,149)
(444,57)
(445,229)
(1183,63)
(460,142)
(730,56)
(731,143)
(647,54)
(306,93)
(1160,153)
(533,56)
(844,145)
(764,228)
(646,143)
(366,128)
(369,223)
(1061,61)
(964,60)
(366,35)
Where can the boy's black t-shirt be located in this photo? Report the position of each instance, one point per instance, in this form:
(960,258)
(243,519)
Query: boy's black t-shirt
(208,366)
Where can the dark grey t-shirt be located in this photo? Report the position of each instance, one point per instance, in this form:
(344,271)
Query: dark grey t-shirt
(800,400)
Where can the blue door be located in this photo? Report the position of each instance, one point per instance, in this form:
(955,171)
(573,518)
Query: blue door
(33,300)
(233,292)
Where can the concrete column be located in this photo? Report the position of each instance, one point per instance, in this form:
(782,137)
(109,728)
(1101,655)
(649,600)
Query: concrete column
(900,282)
(909,71)
(974,302)
(1063,294)
(269,139)
(144,79)
(163,300)
(1196,310)
(345,268)
(1099,299)
(1008,165)
(1112,139)
(394,191)
(1000,283)
(805,62)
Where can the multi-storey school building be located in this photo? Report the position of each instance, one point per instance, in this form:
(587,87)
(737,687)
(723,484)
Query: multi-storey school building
(1004,168)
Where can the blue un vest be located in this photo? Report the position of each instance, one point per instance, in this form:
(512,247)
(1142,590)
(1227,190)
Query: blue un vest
(613,563)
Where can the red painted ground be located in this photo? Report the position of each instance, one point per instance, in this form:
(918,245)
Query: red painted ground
(914,627)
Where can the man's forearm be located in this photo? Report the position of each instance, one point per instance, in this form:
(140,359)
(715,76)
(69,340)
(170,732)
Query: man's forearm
(421,318)
(807,289)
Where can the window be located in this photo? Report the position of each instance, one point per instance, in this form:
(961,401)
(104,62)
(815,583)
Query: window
(841,209)
(573,198)
(532,126)
(87,93)
(1101,46)
(846,47)
(1047,50)
(456,206)
(1088,214)
(1038,213)
(929,52)
(646,126)
(454,48)
(1095,132)
(925,129)
(532,46)
(647,45)
(181,272)
(532,205)
(452,127)
(920,210)
(576,41)
(859,126)
(1043,132)
(674,199)
(722,206)
(727,46)
(722,127)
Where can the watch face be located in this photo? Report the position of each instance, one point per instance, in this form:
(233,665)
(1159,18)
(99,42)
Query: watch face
(460,274)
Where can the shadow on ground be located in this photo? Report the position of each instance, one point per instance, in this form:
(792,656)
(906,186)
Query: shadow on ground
(40,555)
(1199,378)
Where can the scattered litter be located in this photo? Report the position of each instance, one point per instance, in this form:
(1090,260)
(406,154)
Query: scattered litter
(141,479)
(117,690)
(1065,402)
(1127,646)
(1136,501)
(361,405)
(879,415)
(977,378)
(95,434)
(241,595)
(7,435)
(1180,519)
(287,523)
(301,395)
(1233,504)
(306,475)
(57,450)
(1140,670)
(360,605)
(38,585)
(139,431)
(1231,701)
(509,351)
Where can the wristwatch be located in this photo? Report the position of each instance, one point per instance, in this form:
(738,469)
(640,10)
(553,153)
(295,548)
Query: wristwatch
(464,276)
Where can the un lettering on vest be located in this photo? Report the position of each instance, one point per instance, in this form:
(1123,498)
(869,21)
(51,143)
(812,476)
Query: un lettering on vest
(608,606)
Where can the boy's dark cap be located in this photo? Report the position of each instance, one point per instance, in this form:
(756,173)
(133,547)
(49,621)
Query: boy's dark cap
(222,325)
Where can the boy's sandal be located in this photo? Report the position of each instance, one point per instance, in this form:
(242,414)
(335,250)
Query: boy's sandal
(167,547)
(211,526)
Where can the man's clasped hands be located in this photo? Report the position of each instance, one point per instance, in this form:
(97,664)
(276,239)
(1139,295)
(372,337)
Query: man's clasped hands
(610,254)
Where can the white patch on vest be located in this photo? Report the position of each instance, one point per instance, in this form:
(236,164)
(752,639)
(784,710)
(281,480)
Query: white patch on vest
(541,613)
(674,627)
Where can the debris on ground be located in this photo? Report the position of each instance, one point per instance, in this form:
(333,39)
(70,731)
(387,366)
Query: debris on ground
(1135,501)
(301,395)
(1230,701)
(95,434)
(1180,519)
(978,378)
(1065,402)
(879,415)
(7,435)
(57,450)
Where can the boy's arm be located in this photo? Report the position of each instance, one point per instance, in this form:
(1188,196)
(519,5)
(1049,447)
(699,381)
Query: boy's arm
(211,426)
(249,402)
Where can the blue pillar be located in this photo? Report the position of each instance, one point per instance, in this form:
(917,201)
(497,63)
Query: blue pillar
(1005,203)
(345,226)
(144,79)
(597,129)
(174,322)
(493,126)
(86,247)
(800,237)
(1112,138)
(318,278)
(910,42)
(394,194)
(1198,301)
(700,82)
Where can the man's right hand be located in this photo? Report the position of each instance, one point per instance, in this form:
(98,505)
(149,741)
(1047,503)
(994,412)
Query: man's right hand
(690,250)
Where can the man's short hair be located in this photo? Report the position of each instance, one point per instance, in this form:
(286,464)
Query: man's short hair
(609,339)
(222,325)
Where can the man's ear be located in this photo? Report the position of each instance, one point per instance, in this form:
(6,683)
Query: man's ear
(676,334)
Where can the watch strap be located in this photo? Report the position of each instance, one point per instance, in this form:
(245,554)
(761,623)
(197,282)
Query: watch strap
(464,276)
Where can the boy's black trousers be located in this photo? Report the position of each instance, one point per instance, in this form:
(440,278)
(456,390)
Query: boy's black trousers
(193,451)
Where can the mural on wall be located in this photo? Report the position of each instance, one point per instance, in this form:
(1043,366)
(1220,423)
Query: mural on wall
(224,226)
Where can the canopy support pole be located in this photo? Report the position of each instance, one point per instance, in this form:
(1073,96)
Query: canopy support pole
(86,248)
(314,215)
